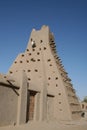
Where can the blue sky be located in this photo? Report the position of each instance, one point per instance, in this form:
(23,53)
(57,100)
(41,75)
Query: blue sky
(67,19)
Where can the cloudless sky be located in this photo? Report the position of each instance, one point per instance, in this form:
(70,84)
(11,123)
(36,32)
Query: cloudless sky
(67,19)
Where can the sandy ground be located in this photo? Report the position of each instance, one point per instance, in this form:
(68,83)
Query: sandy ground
(75,125)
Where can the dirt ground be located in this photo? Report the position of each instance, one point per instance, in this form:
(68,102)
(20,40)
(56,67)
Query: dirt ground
(62,125)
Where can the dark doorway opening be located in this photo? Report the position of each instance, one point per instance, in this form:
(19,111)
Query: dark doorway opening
(30,105)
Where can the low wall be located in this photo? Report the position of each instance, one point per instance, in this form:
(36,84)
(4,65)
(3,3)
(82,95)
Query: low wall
(8,105)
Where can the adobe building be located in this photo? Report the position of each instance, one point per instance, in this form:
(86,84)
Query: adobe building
(84,109)
(37,87)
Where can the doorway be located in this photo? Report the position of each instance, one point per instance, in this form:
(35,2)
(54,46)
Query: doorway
(30,105)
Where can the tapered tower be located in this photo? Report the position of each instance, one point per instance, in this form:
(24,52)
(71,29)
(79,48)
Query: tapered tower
(51,93)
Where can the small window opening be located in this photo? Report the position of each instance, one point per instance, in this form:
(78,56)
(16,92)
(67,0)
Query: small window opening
(4,76)
(49,78)
(29,70)
(49,60)
(21,61)
(32,59)
(31,39)
(29,53)
(29,79)
(15,62)
(38,59)
(27,61)
(41,41)
(38,53)
(59,93)
(45,48)
(56,85)
(10,72)
(56,78)
(50,65)
(22,55)
(36,70)
(27,49)
(33,49)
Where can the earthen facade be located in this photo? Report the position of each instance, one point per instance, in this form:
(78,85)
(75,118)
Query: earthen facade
(84,109)
(37,87)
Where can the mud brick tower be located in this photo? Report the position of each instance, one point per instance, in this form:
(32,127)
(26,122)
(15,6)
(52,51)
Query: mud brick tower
(40,85)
